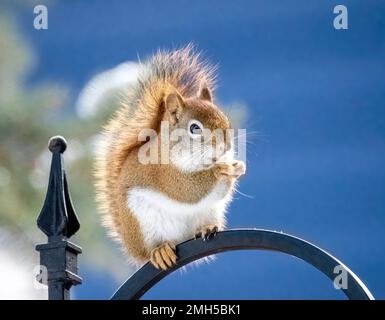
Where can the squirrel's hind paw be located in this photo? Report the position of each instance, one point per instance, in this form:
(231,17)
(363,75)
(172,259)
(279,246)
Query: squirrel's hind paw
(163,256)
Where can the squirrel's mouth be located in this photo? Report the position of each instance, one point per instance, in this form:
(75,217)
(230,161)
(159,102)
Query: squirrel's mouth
(212,161)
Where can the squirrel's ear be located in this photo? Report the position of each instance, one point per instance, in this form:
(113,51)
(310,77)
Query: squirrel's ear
(174,104)
(205,93)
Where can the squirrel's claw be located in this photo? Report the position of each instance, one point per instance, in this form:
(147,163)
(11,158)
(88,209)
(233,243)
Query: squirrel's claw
(207,232)
(163,256)
(234,169)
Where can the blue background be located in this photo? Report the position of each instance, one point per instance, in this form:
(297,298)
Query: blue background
(316,97)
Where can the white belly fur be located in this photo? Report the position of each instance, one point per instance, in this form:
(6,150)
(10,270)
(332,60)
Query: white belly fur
(164,219)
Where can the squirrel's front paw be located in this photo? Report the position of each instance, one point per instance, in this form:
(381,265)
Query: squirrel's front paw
(207,232)
(234,169)
(163,256)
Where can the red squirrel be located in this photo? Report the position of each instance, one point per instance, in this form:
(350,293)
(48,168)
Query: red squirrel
(151,207)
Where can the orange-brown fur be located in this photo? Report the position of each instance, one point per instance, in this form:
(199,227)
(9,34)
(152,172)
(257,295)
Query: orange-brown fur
(118,168)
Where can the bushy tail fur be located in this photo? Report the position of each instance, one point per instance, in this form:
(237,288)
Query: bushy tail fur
(182,70)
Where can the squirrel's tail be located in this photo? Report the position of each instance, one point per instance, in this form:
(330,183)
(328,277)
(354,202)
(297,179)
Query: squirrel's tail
(182,70)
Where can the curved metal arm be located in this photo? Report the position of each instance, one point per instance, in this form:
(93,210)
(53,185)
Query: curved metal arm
(241,239)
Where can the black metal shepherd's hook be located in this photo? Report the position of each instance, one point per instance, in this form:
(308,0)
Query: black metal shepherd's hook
(58,220)
(58,257)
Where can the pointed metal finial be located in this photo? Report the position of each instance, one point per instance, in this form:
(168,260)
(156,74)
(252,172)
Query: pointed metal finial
(58,217)
(59,222)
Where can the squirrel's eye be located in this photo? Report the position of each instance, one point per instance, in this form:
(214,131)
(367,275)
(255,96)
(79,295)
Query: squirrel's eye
(195,129)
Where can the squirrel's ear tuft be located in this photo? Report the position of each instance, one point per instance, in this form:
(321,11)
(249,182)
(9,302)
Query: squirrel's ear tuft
(205,93)
(174,104)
